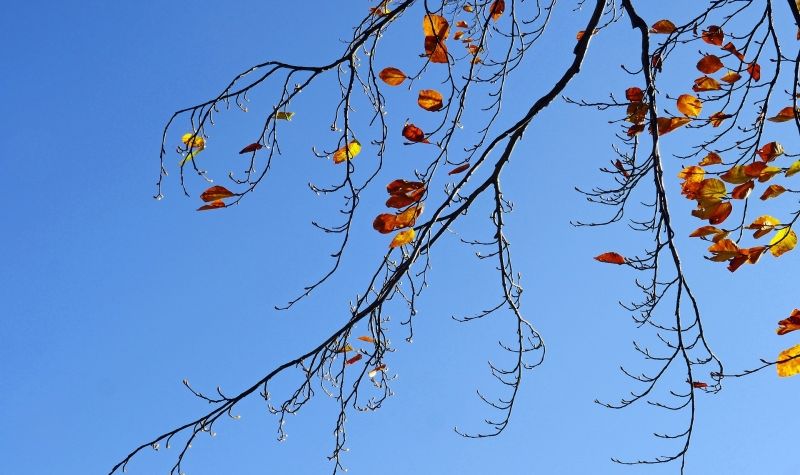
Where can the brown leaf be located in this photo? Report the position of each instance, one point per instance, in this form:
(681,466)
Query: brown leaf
(213,205)
(786,114)
(251,148)
(458,169)
(216,193)
(711,159)
(414,134)
(436,30)
(634,94)
(392,76)
(497,9)
(384,223)
(731,77)
(668,124)
(663,27)
(368,339)
(430,100)
(772,191)
(770,151)
(354,359)
(743,191)
(610,258)
(713,35)
(709,64)
(732,50)
(717,118)
(402,186)
(705,83)
(789,324)
(754,70)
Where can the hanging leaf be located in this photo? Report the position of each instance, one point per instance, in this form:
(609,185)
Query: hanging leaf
(786,114)
(374,372)
(668,124)
(637,111)
(731,77)
(789,324)
(368,339)
(346,153)
(782,242)
(392,76)
(610,258)
(724,249)
(763,225)
(789,362)
(408,217)
(754,169)
(793,168)
(458,169)
(458,34)
(193,141)
(251,148)
(497,9)
(754,70)
(283,115)
(705,83)
(634,94)
(689,105)
(743,191)
(414,134)
(468,8)
(713,35)
(736,175)
(635,130)
(709,64)
(732,50)
(345,348)
(662,27)
(704,231)
(767,173)
(354,359)
(430,100)
(770,151)
(436,31)
(717,118)
(402,238)
(213,205)
(216,193)
(403,186)
(462,24)
(385,223)
(711,159)
(699,385)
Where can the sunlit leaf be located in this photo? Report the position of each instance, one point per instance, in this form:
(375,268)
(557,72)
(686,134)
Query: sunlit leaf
(689,105)
(786,114)
(436,31)
(216,193)
(705,83)
(754,70)
(709,64)
(724,249)
(385,223)
(692,173)
(408,217)
(717,118)
(345,348)
(754,169)
(711,159)
(793,168)
(193,141)
(712,190)
(414,134)
(402,238)
(374,372)
(789,324)
(782,242)
(430,100)
(213,205)
(788,362)
(392,76)
(634,94)
(732,50)
(497,9)
(283,115)
(715,213)
(458,169)
(403,186)
(663,27)
(731,77)
(767,173)
(368,339)
(742,191)
(763,225)
(637,111)
(462,24)
(713,35)
(346,153)
(736,175)
(354,359)
(251,148)
(610,258)
(468,8)
(770,151)
(705,231)
(458,34)
(668,124)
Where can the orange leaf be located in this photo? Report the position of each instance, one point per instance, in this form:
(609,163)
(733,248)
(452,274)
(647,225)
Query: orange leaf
(458,169)
(430,100)
(789,324)
(689,105)
(347,152)
(251,148)
(717,118)
(770,151)
(384,223)
(713,35)
(742,191)
(736,175)
(789,362)
(345,348)
(374,372)
(699,385)
(402,238)
(712,190)
(732,50)
(392,76)
(497,9)
(635,129)
(458,34)
(711,159)
(637,111)
(763,225)
(462,24)
(408,217)
(663,27)
(786,114)
(772,191)
(724,249)
(731,77)
(668,124)
(414,134)
(468,8)
(368,339)
(709,64)
(754,70)
(354,359)
(705,83)
(610,258)
(767,173)
(216,193)
(755,169)
(436,31)
(213,205)
(704,231)
(634,94)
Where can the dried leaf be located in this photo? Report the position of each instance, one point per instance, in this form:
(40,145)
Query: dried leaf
(754,70)
(213,205)
(770,151)
(699,385)
(462,24)
(458,169)
(283,115)
(720,213)
(216,193)
(662,27)
(724,249)
(788,363)
(354,359)
(790,323)
(705,83)
(763,225)
(731,77)
(497,9)
(458,34)
(743,191)
(754,169)
(786,114)
(689,105)
(251,148)
(414,134)
(704,231)
(610,258)
(385,223)
(637,111)
(436,31)
(711,159)
(468,8)
(408,217)
(368,339)
(717,118)
(430,100)
(732,50)
(668,124)
(346,153)
(392,76)
(782,242)
(713,35)
(402,186)
(767,173)
(709,64)
(402,238)
(374,372)
(634,94)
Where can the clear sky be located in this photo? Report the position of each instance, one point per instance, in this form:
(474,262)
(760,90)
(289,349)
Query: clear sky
(111,298)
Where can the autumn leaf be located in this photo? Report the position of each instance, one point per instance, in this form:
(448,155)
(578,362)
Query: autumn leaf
(251,148)
(619,166)
(724,249)
(403,186)
(354,359)
(731,77)
(712,190)
(408,217)
(711,159)
(742,191)
(458,169)
(754,70)
(786,114)
(385,223)
(788,363)
(468,8)
(345,153)
(497,9)
(213,205)
(699,385)
(403,200)
(717,118)
(374,372)
(735,175)
(732,50)
(216,193)
(705,83)
(414,134)
(462,24)
(457,35)
(392,76)
(754,169)
(692,174)
(637,111)
(767,173)
(345,348)
(634,94)
(580,34)
(790,323)
(402,238)
(368,339)
(713,35)
(763,225)
(782,242)
(662,27)
(610,258)
(193,141)
(709,64)
(793,169)
(283,115)
(770,151)
(436,31)
(668,124)
(635,130)
(689,105)
(704,231)
(715,213)
(430,100)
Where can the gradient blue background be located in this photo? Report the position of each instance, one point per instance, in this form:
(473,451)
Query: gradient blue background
(110,298)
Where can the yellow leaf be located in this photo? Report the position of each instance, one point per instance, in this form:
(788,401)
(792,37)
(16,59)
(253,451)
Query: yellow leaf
(197,142)
(668,124)
(712,191)
(284,115)
(403,238)
(689,105)
(793,168)
(346,153)
(763,225)
(782,242)
(792,366)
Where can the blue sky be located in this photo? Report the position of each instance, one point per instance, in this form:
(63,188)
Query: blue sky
(111,298)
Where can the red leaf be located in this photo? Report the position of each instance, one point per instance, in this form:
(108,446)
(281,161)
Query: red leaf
(611,258)
(213,205)
(251,148)
(414,134)
(216,193)
(354,359)
(458,169)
